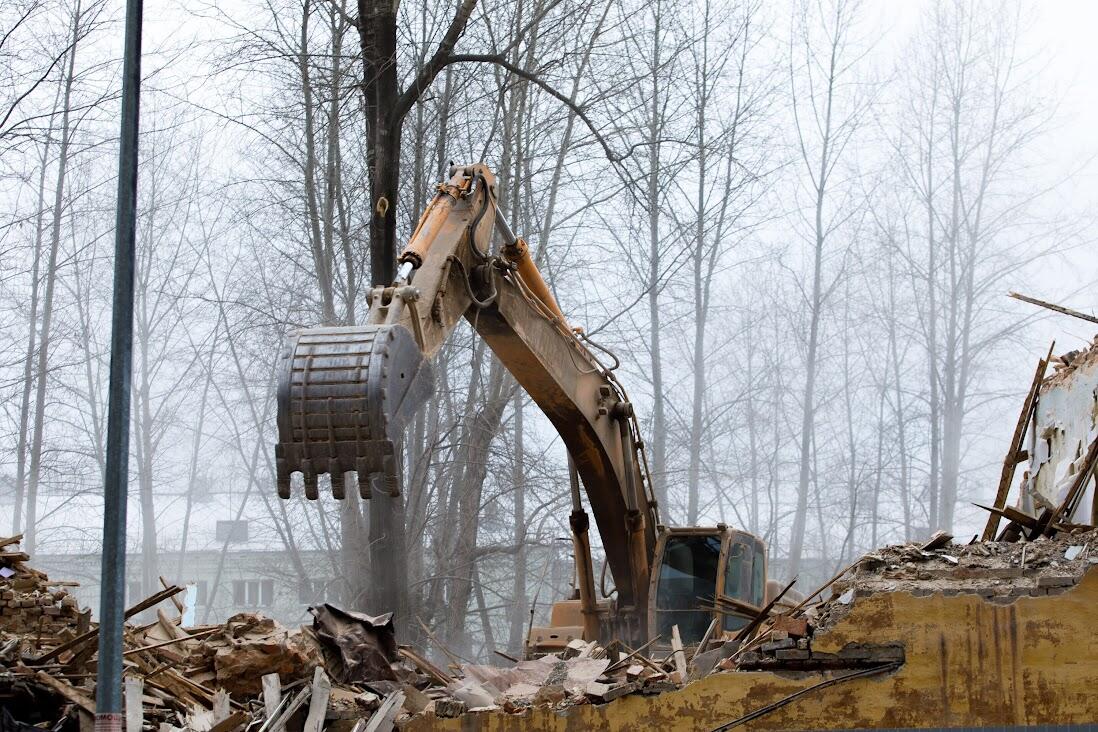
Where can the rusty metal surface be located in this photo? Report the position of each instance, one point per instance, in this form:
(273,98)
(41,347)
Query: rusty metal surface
(969,663)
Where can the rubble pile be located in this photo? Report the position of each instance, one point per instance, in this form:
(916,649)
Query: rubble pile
(30,603)
(999,571)
(346,669)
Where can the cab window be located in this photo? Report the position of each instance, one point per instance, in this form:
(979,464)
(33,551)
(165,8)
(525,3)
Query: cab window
(737,579)
(687,580)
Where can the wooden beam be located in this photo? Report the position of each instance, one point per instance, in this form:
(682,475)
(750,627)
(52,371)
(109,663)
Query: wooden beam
(1006,477)
(1055,308)
(1011,514)
(68,691)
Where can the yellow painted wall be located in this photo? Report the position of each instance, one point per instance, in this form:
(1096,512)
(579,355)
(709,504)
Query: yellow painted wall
(969,663)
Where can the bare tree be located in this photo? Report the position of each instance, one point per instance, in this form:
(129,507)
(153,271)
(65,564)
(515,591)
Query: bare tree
(827,111)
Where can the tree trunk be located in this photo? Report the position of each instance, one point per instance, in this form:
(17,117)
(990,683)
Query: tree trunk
(32,334)
(34,474)
(655,132)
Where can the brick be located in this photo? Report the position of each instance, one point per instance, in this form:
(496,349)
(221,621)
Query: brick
(792,654)
(747,659)
(449,708)
(1065,580)
(658,687)
(1020,591)
(778,645)
(797,627)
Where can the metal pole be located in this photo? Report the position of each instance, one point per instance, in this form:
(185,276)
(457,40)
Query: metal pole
(112,596)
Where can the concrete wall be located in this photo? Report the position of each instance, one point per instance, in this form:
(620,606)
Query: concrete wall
(1066,423)
(970,662)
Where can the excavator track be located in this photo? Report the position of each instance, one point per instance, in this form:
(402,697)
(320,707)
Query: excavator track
(344,397)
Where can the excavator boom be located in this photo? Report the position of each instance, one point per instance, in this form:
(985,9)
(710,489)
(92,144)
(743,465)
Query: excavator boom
(346,393)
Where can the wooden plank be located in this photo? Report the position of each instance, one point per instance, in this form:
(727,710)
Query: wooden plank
(68,691)
(272,696)
(173,641)
(318,704)
(15,556)
(9,540)
(679,656)
(707,637)
(175,600)
(1011,514)
(1006,477)
(230,722)
(291,704)
(736,606)
(1055,308)
(382,720)
(747,630)
(426,666)
(625,660)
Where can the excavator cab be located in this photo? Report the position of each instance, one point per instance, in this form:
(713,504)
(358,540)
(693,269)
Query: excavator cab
(692,567)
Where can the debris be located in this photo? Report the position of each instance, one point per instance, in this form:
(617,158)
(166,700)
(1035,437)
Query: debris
(939,540)
(382,721)
(356,647)
(679,656)
(318,702)
(251,673)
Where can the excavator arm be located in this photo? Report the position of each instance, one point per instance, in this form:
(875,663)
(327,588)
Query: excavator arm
(346,393)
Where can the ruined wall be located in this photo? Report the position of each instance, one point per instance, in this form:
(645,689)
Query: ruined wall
(969,662)
(1065,425)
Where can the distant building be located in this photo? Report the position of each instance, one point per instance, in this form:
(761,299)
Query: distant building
(238,581)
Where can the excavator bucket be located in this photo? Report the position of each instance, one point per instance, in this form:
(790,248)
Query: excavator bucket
(344,397)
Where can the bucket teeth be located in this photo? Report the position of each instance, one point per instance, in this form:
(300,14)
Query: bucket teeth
(339,481)
(282,476)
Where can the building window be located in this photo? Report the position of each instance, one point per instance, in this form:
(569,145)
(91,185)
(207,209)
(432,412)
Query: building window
(312,590)
(232,531)
(253,593)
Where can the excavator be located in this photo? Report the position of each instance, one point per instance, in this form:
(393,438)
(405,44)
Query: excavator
(345,395)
